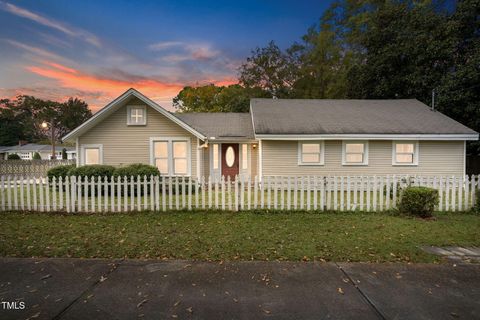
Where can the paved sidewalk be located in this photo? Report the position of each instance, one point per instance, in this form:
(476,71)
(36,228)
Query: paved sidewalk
(458,254)
(101,289)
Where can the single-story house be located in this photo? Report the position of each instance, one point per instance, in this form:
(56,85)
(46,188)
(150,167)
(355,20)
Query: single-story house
(26,151)
(287,137)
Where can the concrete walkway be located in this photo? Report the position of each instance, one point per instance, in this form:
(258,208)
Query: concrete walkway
(100,289)
(458,254)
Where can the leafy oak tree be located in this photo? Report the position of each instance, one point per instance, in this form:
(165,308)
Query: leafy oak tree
(21,118)
(211,98)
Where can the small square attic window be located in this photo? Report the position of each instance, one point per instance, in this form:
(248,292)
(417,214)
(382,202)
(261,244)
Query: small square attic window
(136,115)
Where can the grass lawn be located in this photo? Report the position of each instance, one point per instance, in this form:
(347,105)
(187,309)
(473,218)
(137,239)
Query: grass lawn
(229,236)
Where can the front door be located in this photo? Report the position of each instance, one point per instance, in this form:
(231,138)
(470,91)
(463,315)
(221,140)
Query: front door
(230,161)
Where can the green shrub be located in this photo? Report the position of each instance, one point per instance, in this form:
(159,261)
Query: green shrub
(60,171)
(95,170)
(136,169)
(36,156)
(13,156)
(419,201)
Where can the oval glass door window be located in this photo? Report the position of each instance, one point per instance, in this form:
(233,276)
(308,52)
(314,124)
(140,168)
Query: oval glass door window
(230,157)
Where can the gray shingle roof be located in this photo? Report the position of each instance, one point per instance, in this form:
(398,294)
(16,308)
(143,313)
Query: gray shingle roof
(308,116)
(33,147)
(231,126)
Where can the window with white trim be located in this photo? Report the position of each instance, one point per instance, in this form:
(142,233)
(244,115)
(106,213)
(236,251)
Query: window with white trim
(311,153)
(405,153)
(355,153)
(136,115)
(244,156)
(179,158)
(161,156)
(92,155)
(171,156)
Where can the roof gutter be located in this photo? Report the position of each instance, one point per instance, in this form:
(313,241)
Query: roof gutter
(449,137)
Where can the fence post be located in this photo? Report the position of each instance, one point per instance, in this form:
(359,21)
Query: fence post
(275,192)
(236,193)
(40,194)
(216,191)
(145,192)
(197,192)
(229,187)
(177,192)
(2,190)
(255,192)
(249,193)
(472,190)
(54,194)
(164,194)
(466,192)
(92,193)
(342,193)
(202,189)
(73,193)
(222,186)
(156,194)
(190,193)
(262,193)
(295,193)
(368,193)
(242,192)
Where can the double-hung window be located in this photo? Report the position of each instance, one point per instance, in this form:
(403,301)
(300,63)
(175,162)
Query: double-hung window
(405,153)
(171,156)
(179,158)
(311,153)
(355,153)
(136,115)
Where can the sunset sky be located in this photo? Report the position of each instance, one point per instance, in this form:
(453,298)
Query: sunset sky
(95,50)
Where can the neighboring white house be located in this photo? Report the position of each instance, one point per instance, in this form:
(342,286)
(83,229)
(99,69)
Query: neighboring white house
(27,151)
(278,137)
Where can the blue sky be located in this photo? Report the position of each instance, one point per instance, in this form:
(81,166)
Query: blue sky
(95,50)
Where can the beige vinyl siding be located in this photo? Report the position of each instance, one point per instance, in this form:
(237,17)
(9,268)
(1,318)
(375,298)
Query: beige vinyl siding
(124,144)
(435,158)
(206,161)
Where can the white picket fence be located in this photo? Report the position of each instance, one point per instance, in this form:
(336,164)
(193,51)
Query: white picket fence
(123,194)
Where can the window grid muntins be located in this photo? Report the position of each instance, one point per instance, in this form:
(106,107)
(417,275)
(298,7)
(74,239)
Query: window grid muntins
(136,115)
(310,152)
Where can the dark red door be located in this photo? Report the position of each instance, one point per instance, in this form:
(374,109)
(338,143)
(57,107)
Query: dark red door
(230,163)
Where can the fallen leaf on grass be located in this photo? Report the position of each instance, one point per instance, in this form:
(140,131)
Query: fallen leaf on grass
(189,309)
(46,277)
(102,278)
(141,303)
(340,290)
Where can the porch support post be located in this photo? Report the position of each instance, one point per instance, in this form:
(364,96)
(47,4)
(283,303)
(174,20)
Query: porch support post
(260,160)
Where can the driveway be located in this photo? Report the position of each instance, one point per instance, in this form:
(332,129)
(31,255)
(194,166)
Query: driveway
(129,289)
